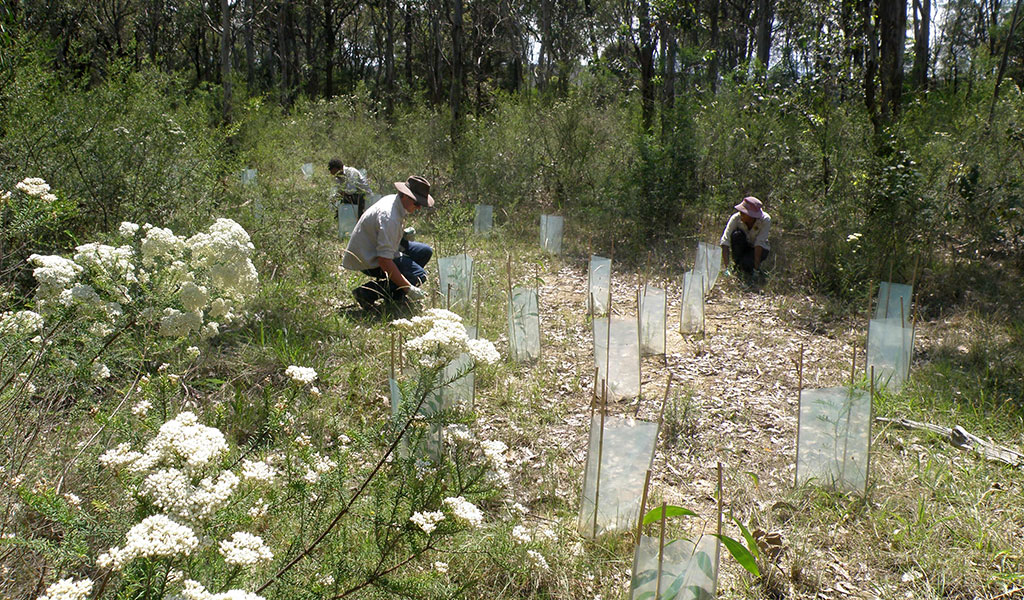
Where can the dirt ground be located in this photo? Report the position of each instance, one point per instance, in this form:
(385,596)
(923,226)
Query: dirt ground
(741,378)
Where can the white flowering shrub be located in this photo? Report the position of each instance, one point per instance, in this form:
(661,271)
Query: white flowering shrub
(194,498)
(180,287)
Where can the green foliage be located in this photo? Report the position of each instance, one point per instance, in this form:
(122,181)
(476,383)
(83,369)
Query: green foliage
(128,148)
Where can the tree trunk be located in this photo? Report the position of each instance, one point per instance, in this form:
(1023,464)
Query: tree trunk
(716,47)
(457,83)
(922,30)
(764,32)
(250,47)
(892,21)
(435,52)
(330,45)
(1002,61)
(646,59)
(225,57)
(867,10)
(389,57)
(668,102)
(544,49)
(312,82)
(407,30)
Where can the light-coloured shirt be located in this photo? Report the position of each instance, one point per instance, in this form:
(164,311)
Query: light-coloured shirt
(353,181)
(757,234)
(378,233)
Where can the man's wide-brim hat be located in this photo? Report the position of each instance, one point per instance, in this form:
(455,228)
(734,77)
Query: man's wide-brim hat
(418,189)
(751,207)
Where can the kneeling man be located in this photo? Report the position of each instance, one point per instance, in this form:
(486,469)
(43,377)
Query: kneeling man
(377,247)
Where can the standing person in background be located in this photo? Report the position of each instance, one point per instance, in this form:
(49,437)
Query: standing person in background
(746,236)
(351,186)
(379,249)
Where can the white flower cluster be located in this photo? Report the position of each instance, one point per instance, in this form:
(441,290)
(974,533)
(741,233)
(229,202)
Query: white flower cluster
(318,466)
(110,263)
(523,535)
(173,491)
(173,461)
(159,246)
(100,371)
(225,251)
(465,510)
(54,274)
(301,375)
(427,521)
(155,536)
(37,187)
(440,337)
(194,590)
(187,285)
(258,470)
(22,323)
(128,229)
(245,549)
(68,589)
(537,559)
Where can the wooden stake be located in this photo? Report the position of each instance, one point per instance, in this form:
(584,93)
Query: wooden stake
(664,328)
(718,541)
(871,420)
(664,402)
(913,276)
(643,507)
(661,549)
(536,290)
(867,338)
(392,363)
(448,297)
(600,458)
(478,286)
(799,400)
(639,353)
(853,365)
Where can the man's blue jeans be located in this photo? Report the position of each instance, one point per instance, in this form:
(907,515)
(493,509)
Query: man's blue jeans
(414,256)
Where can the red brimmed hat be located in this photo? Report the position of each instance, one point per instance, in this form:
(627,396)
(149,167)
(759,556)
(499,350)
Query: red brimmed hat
(751,207)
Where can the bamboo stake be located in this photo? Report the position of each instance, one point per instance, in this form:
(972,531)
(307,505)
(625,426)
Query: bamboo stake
(590,282)
(853,365)
(478,286)
(867,337)
(661,549)
(913,276)
(799,401)
(871,420)
(639,353)
(600,458)
(718,540)
(664,402)
(608,341)
(703,313)
(536,290)
(643,507)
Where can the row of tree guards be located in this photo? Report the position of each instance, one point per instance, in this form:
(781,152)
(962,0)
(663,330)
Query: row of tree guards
(833,431)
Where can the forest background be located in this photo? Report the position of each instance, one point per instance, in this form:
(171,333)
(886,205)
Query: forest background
(884,137)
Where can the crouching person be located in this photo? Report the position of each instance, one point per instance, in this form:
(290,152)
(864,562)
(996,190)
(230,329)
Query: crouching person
(746,236)
(378,247)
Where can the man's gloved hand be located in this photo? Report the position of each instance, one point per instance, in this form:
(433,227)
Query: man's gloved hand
(414,293)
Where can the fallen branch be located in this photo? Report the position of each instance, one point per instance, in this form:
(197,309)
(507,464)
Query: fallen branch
(964,440)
